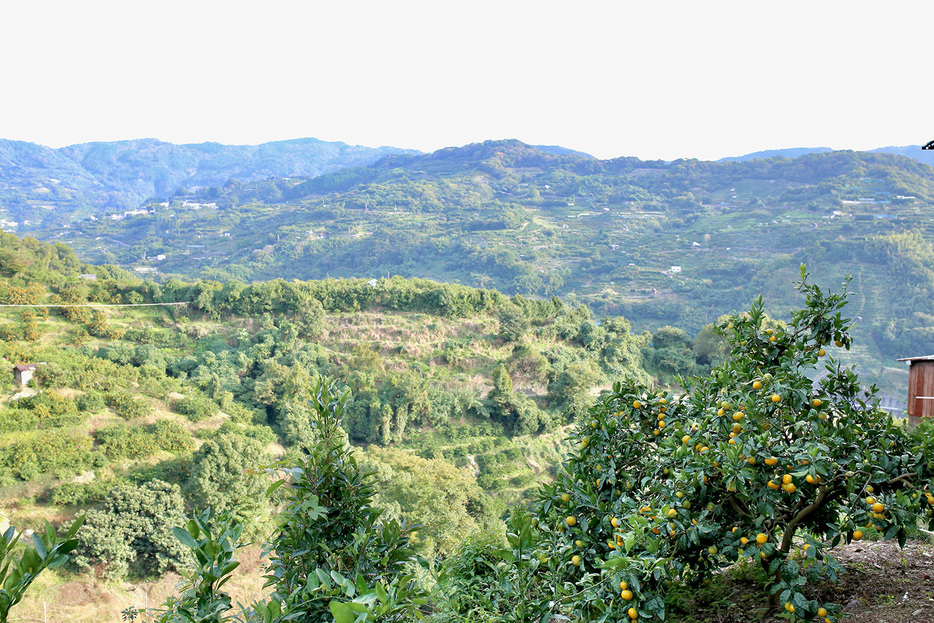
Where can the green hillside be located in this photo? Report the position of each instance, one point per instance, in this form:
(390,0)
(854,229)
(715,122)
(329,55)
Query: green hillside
(41,187)
(677,243)
(460,396)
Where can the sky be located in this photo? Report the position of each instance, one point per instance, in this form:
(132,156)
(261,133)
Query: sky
(656,80)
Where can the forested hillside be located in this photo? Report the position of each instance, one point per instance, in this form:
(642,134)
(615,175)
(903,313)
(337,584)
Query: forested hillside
(41,187)
(460,396)
(677,244)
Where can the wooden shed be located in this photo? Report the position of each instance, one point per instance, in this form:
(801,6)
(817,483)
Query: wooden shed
(920,388)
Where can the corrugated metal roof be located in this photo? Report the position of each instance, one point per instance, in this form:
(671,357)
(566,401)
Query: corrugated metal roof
(924,358)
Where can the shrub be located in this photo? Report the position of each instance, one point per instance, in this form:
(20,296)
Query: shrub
(197,407)
(90,402)
(132,531)
(127,406)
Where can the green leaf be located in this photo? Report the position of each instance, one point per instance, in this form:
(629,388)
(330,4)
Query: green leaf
(39,544)
(184,537)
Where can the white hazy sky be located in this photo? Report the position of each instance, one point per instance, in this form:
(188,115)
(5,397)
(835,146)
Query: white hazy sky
(611,78)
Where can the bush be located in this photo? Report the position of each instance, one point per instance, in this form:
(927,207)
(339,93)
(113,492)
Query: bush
(132,532)
(91,402)
(50,451)
(197,407)
(127,406)
(81,493)
(122,442)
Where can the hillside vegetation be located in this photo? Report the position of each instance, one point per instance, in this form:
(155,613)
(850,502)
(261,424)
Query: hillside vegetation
(679,243)
(459,396)
(41,187)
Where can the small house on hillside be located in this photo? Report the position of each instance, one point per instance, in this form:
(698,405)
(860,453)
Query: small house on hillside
(920,388)
(23,372)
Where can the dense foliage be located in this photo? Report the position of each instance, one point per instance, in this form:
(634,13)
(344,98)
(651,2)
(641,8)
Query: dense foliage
(756,461)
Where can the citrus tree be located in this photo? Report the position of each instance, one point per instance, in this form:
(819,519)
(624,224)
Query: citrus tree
(767,459)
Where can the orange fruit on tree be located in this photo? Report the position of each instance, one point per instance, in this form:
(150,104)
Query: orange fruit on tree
(626,594)
(776,398)
(761,538)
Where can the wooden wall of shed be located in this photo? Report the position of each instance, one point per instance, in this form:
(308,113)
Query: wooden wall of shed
(920,384)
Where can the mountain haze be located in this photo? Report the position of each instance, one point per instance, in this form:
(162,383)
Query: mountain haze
(53,186)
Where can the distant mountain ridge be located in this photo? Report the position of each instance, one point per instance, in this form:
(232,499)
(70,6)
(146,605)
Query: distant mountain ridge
(912,151)
(54,186)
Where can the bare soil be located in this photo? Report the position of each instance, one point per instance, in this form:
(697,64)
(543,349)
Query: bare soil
(881,583)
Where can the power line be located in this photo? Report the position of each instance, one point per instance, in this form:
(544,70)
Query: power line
(103,304)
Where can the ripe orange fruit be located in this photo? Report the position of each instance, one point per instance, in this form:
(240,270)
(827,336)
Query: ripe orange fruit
(870,500)
(771,461)
(686,439)
(838,343)
(614,522)
(776,398)
(773,485)
(821,612)
(633,613)
(786,479)
(576,560)
(623,585)
(790,607)
(571,520)
(757,385)
(761,538)
(857,535)
(773,338)
(566,497)
(816,402)
(789,488)
(821,352)
(738,416)
(636,404)
(626,594)
(878,507)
